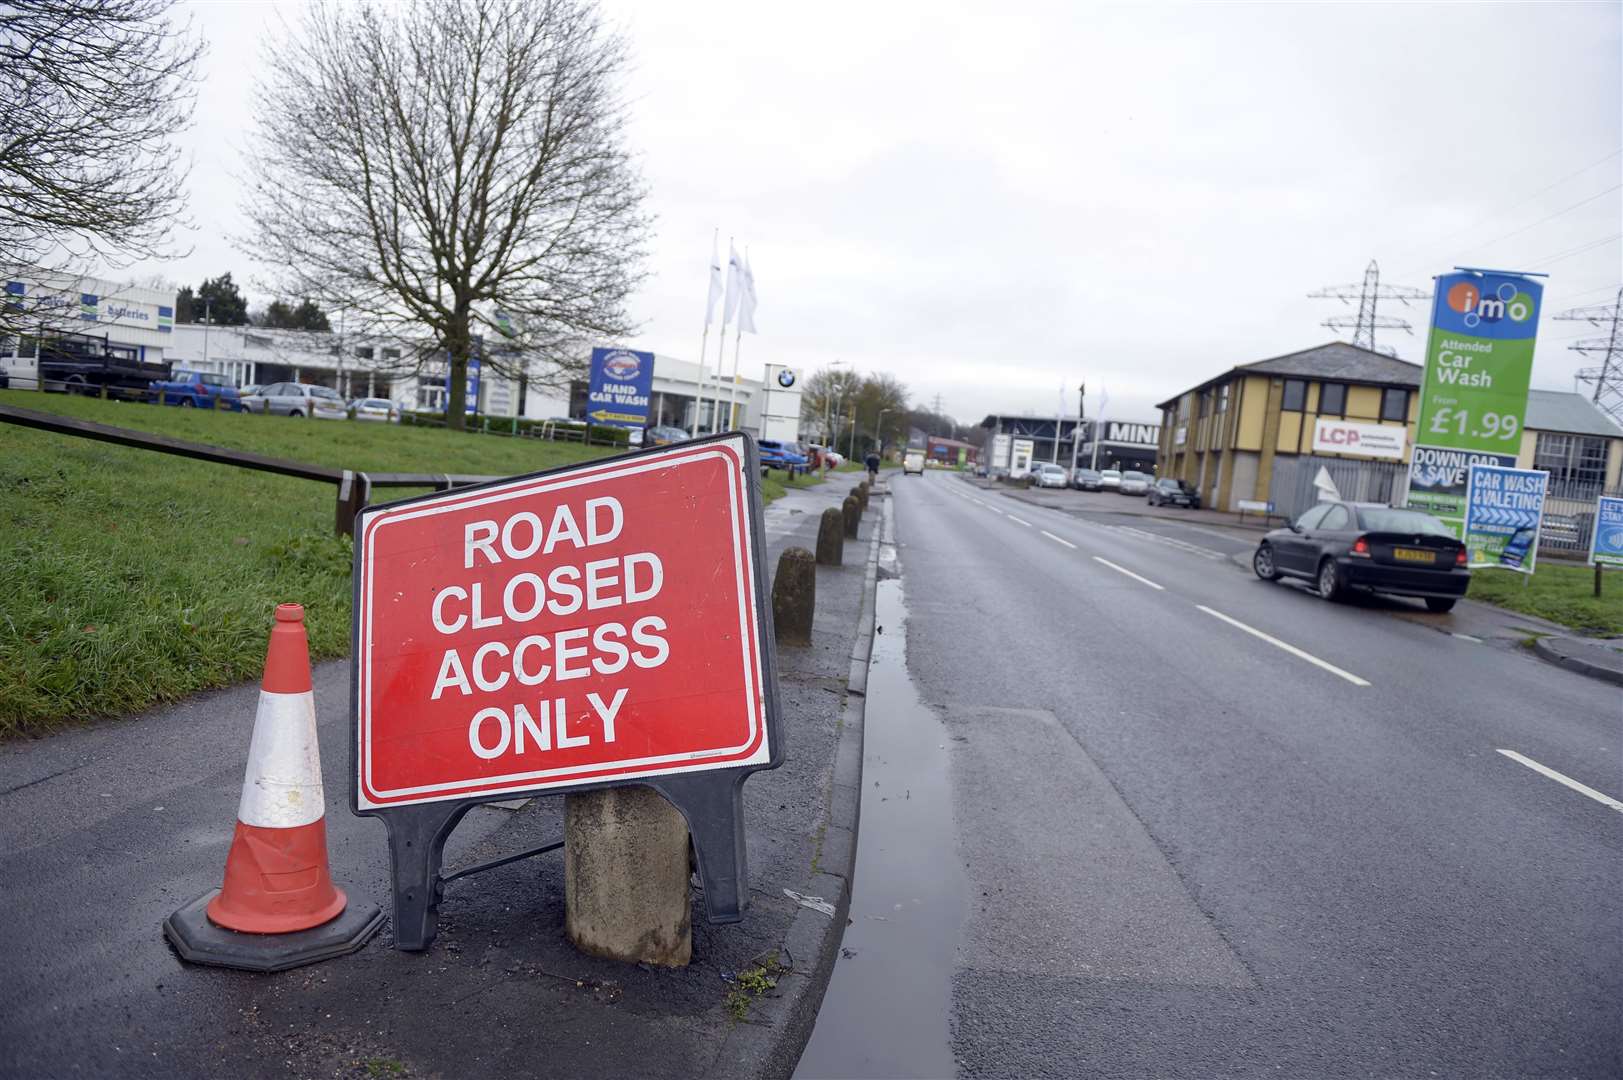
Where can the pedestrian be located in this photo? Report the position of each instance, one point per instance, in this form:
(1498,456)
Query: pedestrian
(872,461)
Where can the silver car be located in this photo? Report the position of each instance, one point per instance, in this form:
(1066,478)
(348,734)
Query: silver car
(371,408)
(1048,475)
(1135,483)
(300,400)
(1110,480)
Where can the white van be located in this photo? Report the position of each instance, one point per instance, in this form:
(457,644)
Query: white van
(913,462)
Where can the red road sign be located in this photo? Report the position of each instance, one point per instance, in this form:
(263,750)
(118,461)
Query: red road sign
(582,626)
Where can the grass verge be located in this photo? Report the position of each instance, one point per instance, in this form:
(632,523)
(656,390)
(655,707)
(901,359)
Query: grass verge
(1560,592)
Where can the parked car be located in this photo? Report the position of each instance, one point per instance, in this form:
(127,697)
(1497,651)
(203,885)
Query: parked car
(833,458)
(380,410)
(778,455)
(299,400)
(913,462)
(1110,480)
(664,435)
(1169,492)
(1087,480)
(1048,475)
(197,389)
(1343,545)
(1134,483)
(84,364)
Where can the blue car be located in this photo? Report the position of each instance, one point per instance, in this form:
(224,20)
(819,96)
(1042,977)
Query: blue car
(777,455)
(197,389)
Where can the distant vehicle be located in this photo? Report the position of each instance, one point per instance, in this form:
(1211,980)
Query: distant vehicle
(380,410)
(664,436)
(249,390)
(1110,480)
(778,455)
(833,458)
(197,389)
(1134,483)
(1169,492)
(81,364)
(1341,546)
(302,400)
(1048,475)
(913,462)
(1087,480)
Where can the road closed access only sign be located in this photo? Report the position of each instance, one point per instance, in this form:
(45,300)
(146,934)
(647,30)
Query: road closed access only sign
(572,628)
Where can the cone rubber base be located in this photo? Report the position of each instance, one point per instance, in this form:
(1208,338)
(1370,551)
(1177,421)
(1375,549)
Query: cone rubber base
(201,942)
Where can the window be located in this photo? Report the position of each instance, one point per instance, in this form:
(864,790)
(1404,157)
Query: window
(1336,519)
(391,354)
(1333,399)
(363,352)
(1295,395)
(1205,404)
(1310,519)
(1571,459)
(1223,398)
(1395,404)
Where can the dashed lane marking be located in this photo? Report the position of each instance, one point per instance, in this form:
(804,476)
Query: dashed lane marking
(1129,573)
(1582,789)
(1287,646)
(1058,539)
(1020,521)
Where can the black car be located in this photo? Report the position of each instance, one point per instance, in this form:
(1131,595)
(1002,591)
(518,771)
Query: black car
(1087,480)
(1342,545)
(1169,492)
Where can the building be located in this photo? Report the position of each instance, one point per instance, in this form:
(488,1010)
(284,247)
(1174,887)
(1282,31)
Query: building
(1121,444)
(1025,440)
(1261,431)
(128,315)
(946,451)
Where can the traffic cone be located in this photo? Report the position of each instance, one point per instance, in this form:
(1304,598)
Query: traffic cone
(278,906)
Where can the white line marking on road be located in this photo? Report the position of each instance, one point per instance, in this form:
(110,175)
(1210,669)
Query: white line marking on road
(1582,789)
(1020,521)
(1468,637)
(1129,573)
(1058,539)
(1292,649)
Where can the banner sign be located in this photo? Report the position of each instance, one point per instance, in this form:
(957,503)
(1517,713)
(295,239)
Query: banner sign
(1503,509)
(600,624)
(1000,451)
(1437,481)
(1606,540)
(622,384)
(1359,440)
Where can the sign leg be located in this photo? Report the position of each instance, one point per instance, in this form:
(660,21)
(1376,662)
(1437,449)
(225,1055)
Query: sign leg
(715,816)
(416,845)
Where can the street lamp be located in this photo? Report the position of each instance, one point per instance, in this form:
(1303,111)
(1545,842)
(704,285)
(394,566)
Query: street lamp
(879,431)
(1076,436)
(828,438)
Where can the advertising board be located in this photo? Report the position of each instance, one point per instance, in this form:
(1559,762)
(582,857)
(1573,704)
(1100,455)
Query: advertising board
(1606,537)
(1503,510)
(1354,439)
(621,387)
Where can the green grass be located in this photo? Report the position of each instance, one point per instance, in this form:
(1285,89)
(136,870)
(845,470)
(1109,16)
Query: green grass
(133,578)
(1560,592)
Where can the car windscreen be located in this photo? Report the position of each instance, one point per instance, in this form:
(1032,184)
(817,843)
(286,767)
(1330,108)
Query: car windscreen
(324,392)
(1387,519)
(1111,472)
(1134,476)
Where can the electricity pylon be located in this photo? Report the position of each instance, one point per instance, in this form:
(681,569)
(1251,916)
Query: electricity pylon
(1367,321)
(1608,377)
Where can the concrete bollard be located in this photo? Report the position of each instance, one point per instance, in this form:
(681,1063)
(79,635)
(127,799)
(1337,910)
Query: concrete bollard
(626,877)
(853,516)
(831,538)
(794,596)
(856,493)
(863,489)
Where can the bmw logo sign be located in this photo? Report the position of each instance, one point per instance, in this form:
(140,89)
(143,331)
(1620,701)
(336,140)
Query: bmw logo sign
(786,378)
(621,365)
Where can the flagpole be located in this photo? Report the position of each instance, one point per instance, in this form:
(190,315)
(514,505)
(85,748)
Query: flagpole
(732,394)
(704,340)
(721,360)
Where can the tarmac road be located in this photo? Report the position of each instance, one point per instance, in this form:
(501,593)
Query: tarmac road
(1217,827)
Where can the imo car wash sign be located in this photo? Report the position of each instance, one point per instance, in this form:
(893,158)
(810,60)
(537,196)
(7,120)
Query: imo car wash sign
(1503,509)
(621,386)
(596,625)
(1473,398)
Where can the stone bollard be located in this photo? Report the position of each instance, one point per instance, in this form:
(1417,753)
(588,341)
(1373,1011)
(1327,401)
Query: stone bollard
(794,596)
(831,538)
(856,493)
(863,489)
(626,877)
(853,516)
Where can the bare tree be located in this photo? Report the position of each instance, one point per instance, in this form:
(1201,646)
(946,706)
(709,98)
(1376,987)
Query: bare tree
(91,94)
(454,167)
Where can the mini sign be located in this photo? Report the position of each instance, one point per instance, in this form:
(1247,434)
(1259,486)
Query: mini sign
(595,625)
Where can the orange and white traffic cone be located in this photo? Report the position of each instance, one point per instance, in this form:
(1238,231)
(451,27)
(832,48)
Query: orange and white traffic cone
(278,906)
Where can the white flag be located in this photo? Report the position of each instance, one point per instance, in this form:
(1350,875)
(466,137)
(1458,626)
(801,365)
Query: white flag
(746,304)
(735,284)
(715,284)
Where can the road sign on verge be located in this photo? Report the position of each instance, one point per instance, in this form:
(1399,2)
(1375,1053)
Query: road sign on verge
(1503,508)
(587,627)
(622,383)
(1606,539)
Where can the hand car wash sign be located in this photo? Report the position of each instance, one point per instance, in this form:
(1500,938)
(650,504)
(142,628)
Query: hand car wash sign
(596,625)
(622,383)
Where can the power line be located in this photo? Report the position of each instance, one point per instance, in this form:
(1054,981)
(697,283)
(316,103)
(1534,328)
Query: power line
(1368,294)
(1608,377)
(1551,260)
(1543,220)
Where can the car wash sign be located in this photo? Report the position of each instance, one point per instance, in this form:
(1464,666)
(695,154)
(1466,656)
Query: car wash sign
(590,625)
(1503,509)
(621,387)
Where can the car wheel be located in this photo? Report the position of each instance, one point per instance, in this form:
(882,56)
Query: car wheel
(1263,563)
(1440,604)
(1330,586)
(295,413)
(187,403)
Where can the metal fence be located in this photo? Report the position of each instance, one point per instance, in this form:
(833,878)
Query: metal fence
(1569,516)
(1360,481)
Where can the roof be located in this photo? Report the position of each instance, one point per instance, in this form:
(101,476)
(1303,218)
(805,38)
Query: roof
(1336,361)
(1560,410)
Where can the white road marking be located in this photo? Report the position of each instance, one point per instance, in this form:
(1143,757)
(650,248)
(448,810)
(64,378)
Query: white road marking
(1582,789)
(1169,541)
(1292,649)
(1129,573)
(1020,521)
(1468,637)
(1058,539)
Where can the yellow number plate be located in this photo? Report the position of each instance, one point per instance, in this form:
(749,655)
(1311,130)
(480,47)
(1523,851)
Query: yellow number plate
(1414,555)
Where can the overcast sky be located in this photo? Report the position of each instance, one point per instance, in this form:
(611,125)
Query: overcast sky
(990,201)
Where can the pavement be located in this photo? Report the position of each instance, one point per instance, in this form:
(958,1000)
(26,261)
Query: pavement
(106,830)
(1209,826)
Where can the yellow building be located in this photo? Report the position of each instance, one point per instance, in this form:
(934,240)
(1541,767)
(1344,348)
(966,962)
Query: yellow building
(1260,432)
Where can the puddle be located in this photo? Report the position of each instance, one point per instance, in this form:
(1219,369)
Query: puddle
(889,1001)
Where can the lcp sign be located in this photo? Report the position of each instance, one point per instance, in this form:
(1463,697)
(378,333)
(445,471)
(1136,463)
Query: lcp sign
(591,626)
